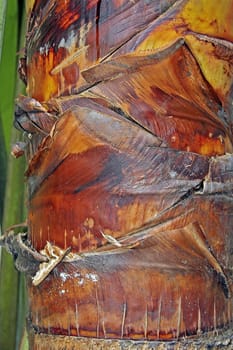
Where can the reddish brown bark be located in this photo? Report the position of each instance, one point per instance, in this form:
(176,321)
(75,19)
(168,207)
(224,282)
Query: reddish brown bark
(135,175)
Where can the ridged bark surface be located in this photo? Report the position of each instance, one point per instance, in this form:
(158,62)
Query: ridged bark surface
(129,168)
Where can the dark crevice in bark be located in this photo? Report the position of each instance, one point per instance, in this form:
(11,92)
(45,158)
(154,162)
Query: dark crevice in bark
(98,11)
(191,192)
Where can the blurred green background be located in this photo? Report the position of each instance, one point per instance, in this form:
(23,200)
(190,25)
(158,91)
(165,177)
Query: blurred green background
(12,189)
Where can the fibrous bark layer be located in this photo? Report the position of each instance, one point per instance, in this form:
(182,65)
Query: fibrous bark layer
(130,171)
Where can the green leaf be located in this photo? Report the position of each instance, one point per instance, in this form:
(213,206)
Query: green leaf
(3,4)
(12,298)
(8,69)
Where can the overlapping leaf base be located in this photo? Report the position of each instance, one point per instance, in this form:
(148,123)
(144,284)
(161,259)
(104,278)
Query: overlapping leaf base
(134,174)
(209,342)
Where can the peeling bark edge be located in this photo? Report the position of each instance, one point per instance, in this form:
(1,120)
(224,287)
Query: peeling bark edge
(209,341)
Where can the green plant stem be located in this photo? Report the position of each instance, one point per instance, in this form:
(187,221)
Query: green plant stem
(12,309)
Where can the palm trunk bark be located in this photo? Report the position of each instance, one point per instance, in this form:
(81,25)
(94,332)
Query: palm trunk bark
(129,173)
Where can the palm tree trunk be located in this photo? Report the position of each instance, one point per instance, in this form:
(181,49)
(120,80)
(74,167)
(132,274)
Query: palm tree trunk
(129,176)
